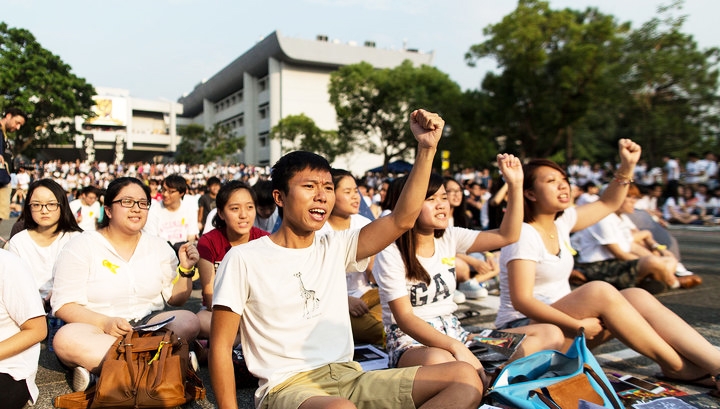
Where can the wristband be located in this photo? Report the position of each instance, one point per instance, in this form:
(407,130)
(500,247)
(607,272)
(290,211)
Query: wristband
(623,180)
(186,273)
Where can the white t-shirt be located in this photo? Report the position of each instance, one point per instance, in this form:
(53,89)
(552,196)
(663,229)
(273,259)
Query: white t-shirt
(552,271)
(267,224)
(671,203)
(89,214)
(590,242)
(40,259)
(357,282)
(23,180)
(174,226)
(293,304)
(91,273)
(428,300)
(18,303)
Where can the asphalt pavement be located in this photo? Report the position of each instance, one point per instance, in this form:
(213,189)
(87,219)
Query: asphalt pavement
(700,250)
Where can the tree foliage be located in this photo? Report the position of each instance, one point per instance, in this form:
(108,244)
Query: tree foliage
(299,132)
(672,102)
(572,82)
(199,145)
(40,83)
(373,105)
(551,63)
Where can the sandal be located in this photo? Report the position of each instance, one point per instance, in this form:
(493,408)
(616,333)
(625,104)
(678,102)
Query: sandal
(705,381)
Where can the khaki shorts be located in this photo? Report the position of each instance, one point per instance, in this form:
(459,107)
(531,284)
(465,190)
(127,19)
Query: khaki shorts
(5,202)
(386,388)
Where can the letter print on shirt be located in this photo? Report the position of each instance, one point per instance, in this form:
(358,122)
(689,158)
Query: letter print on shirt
(420,293)
(309,298)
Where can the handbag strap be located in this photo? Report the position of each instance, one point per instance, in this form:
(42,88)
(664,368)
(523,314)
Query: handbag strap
(606,390)
(127,345)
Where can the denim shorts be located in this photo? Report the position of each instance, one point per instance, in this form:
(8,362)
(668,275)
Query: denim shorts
(398,342)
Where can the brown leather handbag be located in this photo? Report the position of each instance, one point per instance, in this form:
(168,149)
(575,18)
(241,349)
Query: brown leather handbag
(142,370)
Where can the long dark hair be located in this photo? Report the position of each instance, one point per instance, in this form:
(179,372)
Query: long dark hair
(407,242)
(66,223)
(224,195)
(114,189)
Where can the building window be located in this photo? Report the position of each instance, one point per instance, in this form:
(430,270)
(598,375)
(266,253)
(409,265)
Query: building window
(263,111)
(263,139)
(262,84)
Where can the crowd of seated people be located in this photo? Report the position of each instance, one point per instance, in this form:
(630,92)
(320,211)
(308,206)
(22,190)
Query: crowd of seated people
(126,241)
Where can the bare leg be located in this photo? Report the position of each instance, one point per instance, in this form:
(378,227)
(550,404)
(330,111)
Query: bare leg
(186,324)
(538,337)
(599,299)
(641,322)
(693,356)
(78,344)
(449,385)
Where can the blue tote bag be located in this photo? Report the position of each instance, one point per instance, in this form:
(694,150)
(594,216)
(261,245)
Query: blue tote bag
(551,379)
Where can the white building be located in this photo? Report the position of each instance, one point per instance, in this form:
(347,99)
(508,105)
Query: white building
(128,129)
(283,76)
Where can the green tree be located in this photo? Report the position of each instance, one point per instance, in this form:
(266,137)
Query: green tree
(40,83)
(552,62)
(373,105)
(299,132)
(672,106)
(199,145)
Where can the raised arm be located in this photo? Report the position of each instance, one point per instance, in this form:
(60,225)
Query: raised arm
(509,231)
(427,128)
(590,213)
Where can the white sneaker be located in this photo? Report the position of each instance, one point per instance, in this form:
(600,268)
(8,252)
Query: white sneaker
(472,289)
(458,297)
(194,361)
(81,379)
(682,271)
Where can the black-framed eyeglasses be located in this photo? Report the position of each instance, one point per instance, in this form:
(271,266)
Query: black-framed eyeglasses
(129,203)
(50,207)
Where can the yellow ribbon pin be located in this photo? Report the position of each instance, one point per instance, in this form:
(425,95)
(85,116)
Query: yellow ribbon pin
(450,261)
(110,266)
(569,247)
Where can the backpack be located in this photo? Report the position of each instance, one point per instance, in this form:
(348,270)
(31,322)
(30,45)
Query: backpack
(141,370)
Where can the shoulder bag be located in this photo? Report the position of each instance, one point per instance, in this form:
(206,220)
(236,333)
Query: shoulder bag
(552,379)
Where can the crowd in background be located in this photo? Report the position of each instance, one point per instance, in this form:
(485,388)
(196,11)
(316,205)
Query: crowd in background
(691,185)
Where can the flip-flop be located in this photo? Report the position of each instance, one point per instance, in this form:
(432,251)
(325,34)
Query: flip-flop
(705,381)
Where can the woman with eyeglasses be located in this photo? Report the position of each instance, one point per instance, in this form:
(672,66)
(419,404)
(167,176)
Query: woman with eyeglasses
(113,279)
(48,224)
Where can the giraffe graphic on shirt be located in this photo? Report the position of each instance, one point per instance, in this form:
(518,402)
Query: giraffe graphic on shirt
(308,296)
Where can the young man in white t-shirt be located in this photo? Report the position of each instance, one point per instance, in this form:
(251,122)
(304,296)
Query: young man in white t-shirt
(86,208)
(288,292)
(171,219)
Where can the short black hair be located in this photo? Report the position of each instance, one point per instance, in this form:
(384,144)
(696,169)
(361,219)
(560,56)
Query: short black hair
(90,189)
(213,180)
(176,182)
(287,166)
(12,111)
(263,189)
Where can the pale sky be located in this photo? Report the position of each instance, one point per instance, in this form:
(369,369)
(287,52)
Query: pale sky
(160,49)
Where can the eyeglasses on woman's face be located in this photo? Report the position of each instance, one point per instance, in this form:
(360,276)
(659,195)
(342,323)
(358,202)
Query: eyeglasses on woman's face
(50,207)
(130,203)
